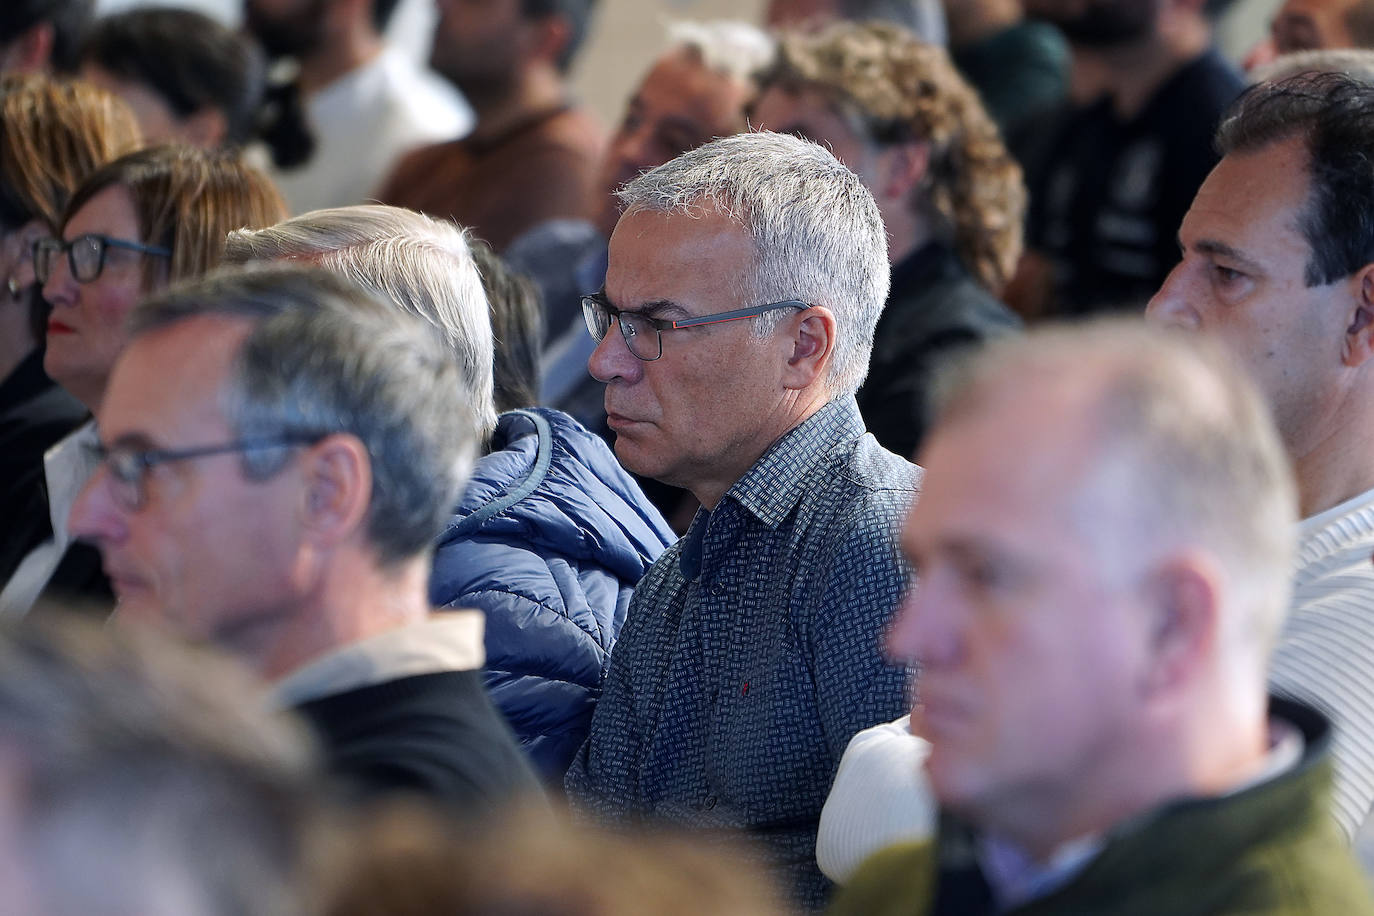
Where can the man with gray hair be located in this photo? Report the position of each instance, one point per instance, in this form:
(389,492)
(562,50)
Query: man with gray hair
(550,534)
(139,776)
(698,89)
(279,452)
(1104,542)
(744,283)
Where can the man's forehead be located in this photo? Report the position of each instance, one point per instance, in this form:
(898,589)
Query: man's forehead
(169,374)
(1250,194)
(682,86)
(672,256)
(1022,437)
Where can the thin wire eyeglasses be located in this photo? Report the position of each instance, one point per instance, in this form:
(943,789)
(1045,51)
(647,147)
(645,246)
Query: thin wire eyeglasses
(129,466)
(635,326)
(85,255)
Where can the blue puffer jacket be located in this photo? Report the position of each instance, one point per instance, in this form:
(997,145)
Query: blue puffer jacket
(549,540)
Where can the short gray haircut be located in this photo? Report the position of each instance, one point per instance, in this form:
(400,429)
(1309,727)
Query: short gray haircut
(327,356)
(816,231)
(1188,452)
(729,47)
(149,777)
(423,265)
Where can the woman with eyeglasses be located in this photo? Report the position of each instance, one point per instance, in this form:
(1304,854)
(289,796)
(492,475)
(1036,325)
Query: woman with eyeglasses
(139,223)
(53,135)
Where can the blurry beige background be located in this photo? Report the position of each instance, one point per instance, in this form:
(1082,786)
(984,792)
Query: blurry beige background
(626,35)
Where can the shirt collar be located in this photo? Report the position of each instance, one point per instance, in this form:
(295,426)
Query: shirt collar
(67,466)
(774,485)
(1015,878)
(449,641)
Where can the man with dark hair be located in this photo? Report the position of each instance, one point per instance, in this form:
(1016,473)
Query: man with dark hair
(279,451)
(365,104)
(532,155)
(1278,262)
(1111,173)
(42,35)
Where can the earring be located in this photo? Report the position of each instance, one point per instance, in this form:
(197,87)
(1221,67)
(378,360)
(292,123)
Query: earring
(13,287)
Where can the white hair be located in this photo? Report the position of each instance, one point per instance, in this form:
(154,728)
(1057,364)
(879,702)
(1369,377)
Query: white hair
(817,233)
(420,264)
(734,49)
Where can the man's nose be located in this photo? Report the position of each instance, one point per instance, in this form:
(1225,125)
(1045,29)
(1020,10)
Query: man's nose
(1171,305)
(612,358)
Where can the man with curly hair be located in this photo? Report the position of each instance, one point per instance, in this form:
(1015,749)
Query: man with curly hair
(894,109)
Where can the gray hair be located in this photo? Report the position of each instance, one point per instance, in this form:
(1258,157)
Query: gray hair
(1188,452)
(421,264)
(729,47)
(327,356)
(149,779)
(817,233)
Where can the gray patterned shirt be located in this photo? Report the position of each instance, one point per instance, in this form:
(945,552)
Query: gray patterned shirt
(753,649)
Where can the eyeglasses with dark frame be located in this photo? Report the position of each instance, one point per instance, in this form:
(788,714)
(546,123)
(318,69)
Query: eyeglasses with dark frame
(129,466)
(635,326)
(85,255)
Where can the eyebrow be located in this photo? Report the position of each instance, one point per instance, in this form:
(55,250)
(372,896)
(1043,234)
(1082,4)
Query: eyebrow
(136,441)
(1216,248)
(651,308)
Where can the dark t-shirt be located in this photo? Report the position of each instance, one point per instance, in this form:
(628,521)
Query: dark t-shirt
(1020,73)
(1107,197)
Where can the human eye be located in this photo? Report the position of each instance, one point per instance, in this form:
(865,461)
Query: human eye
(1226,279)
(634,324)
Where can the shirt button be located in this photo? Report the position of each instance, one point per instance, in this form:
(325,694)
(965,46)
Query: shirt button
(717,589)
(709,803)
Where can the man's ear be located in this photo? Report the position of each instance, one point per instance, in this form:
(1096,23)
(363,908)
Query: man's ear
(548,36)
(903,169)
(1358,345)
(337,473)
(813,342)
(1182,598)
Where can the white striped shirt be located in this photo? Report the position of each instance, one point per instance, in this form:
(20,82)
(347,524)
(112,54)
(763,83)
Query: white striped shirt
(1325,655)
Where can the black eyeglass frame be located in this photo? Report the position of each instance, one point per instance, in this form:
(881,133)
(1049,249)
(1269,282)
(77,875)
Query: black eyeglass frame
(43,267)
(129,466)
(595,303)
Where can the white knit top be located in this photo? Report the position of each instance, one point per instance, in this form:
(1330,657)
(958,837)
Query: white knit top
(1325,655)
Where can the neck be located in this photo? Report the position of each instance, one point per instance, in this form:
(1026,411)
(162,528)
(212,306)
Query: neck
(354,47)
(1132,74)
(1206,757)
(974,20)
(906,237)
(16,339)
(792,410)
(355,600)
(1328,478)
(538,89)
